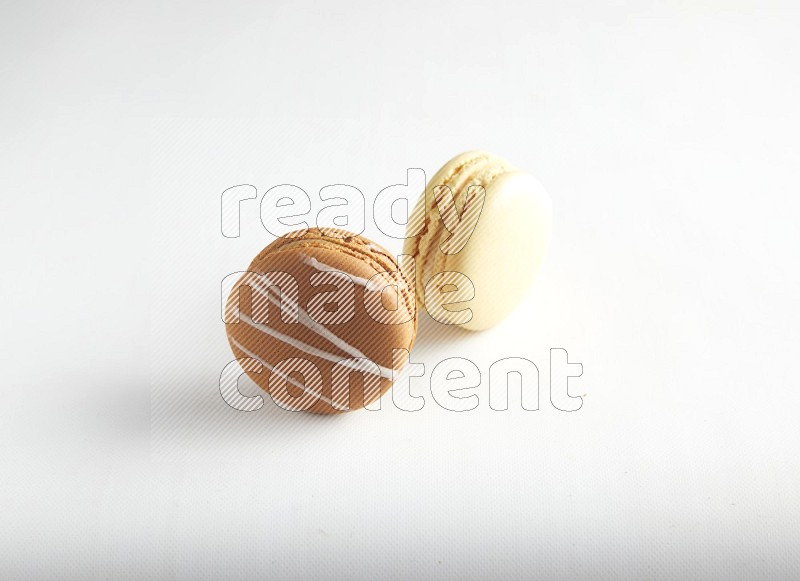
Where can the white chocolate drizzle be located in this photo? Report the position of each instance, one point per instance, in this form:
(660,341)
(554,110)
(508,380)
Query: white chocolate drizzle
(308,391)
(322,267)
(312,325)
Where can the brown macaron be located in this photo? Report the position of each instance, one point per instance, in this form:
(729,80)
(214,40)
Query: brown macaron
(325,318)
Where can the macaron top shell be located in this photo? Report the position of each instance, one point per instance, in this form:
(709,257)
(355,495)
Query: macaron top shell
(507,246)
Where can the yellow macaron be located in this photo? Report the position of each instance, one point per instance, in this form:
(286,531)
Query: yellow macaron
(478,235)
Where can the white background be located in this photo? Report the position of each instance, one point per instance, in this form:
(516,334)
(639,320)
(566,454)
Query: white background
(666,134)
